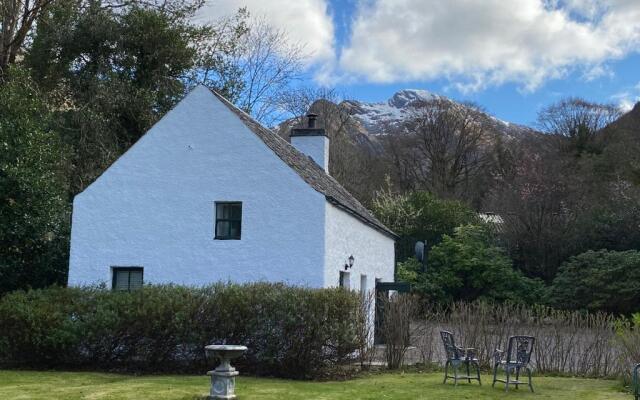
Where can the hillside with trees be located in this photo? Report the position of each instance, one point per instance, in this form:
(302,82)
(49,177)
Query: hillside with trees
(430,167)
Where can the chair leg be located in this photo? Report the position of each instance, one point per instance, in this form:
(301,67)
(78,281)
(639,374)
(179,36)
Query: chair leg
(468,371)
(506,386)
(517,376)
(478,372)
(495,374)
(446,371)
(455,374)
(530,384)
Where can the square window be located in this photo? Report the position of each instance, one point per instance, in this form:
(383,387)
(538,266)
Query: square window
(228,220)
(127,278)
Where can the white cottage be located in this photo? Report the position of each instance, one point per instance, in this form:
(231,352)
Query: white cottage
(210,195)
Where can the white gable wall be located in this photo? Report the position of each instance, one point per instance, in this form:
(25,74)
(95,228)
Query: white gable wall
(154,207)
(373,252)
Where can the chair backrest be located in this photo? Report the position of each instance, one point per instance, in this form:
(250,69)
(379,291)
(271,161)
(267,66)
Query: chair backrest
(520,349)
(450,345)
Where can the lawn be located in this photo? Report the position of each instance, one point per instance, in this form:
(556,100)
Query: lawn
(95,386)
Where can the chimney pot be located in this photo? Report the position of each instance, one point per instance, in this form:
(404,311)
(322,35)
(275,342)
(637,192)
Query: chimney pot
(312,120)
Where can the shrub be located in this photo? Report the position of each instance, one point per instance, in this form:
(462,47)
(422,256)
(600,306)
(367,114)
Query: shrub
(467,266)
(34,209)
(419,216)
(399,312)
(628,338)
(290,332)
(599,280)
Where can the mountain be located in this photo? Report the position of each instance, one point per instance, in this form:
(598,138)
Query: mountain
(375,117)
(365,122)
(629,122)
(622,139)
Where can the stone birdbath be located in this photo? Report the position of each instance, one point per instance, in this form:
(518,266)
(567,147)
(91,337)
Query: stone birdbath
(223,378)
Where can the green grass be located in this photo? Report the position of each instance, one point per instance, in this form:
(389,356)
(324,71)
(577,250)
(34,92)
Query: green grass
(96,386)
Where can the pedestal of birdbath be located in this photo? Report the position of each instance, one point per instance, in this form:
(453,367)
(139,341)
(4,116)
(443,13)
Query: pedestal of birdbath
(223,378)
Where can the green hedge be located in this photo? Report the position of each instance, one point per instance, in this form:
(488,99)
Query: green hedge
(290,332)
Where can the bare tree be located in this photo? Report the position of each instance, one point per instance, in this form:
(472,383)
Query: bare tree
(18,18)
(251,62)
(399,150)
(540,196)
(296,103)
(396,329)
(269,62)
(218,50)
(440,148)
(577,121)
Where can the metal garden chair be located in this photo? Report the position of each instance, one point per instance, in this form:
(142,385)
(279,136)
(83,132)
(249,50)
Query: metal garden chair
(518,356)
(457,357)
(636,382)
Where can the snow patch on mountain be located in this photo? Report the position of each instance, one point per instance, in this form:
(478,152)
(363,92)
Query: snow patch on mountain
(376,117)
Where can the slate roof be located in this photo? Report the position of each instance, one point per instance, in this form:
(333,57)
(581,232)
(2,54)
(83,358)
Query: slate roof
(309,171)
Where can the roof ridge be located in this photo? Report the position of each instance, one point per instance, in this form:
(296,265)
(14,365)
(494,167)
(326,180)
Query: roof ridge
(314,175)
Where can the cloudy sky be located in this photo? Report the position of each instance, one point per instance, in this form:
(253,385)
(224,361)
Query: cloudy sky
(510,56)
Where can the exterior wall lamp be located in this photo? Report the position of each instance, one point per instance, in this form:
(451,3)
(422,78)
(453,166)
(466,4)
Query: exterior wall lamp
(349,263)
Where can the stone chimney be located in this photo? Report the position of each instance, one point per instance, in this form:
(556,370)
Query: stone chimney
(313,142)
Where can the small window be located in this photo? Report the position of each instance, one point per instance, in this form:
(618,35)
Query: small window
(228,220)
(127,278)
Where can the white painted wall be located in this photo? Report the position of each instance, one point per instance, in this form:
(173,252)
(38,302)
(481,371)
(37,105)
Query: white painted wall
(154,208)
(373,251)
(316,147)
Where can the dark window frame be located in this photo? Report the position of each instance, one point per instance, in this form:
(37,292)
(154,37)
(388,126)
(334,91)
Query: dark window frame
(217,220)
(116,270)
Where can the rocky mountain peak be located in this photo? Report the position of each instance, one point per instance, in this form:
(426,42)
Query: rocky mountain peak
(368,120)
(407,97)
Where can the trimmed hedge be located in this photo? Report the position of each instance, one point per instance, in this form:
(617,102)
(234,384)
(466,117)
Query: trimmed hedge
(290,331)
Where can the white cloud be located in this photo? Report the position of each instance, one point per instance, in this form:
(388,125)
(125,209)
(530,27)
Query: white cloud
(306,22)
(597,71)
(479,43)
(628,98)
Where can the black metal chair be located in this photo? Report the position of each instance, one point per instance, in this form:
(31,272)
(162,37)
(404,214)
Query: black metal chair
(636,382)
(458,356)
(518,356)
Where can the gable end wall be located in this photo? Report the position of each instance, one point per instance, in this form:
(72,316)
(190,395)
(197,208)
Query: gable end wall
(154,207)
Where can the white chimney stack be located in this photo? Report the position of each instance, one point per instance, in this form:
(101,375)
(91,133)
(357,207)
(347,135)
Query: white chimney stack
(313,142)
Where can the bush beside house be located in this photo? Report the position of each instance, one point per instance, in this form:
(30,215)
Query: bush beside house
(290,332)
(468,266)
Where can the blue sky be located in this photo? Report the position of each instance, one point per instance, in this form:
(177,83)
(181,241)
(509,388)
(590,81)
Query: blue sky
(512,57)
(508,102)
